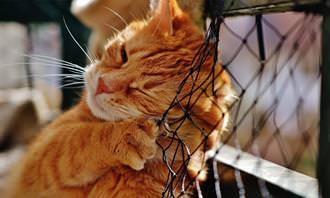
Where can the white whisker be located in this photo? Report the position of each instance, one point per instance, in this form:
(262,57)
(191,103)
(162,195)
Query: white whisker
(74,87)
(76,78)
(73,83)
(65,75)
(46,58)
(113,28)
(57,75)
(50,59)
(74,70)
(91,53)
(66,26)
(54,61)
(118,15)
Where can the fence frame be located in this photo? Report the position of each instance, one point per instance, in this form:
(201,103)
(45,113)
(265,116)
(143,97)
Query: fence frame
(254,7)
(323,166)
(270,172)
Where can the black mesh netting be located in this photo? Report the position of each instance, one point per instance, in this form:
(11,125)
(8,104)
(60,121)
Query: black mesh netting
(273,62)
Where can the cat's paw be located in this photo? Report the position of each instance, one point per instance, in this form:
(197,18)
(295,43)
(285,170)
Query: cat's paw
(141,143)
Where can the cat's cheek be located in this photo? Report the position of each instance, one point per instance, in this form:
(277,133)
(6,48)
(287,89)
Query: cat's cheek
(91,77)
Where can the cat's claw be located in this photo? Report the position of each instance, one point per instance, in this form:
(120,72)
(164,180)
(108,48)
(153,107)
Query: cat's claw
(138,165)
(149,126)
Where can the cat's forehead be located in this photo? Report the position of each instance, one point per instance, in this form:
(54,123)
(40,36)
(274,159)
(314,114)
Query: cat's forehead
(128,33)
(134,27)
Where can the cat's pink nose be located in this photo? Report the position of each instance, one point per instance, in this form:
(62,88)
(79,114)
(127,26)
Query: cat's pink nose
(112,86)
(102,87)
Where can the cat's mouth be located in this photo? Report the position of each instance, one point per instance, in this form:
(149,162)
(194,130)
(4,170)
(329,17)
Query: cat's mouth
(102,107)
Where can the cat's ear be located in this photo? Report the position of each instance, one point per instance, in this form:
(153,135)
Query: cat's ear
(165,14)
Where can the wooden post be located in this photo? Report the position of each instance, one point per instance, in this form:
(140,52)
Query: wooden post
(28,50)
(323,167)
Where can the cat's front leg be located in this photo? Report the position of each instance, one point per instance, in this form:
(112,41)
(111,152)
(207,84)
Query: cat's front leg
(137,143)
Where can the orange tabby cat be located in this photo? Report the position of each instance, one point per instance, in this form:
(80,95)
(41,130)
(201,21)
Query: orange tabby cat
(109,144)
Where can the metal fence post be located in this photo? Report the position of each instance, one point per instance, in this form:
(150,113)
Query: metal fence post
(323,167)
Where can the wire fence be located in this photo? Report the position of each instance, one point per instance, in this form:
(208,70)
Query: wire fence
(274,67)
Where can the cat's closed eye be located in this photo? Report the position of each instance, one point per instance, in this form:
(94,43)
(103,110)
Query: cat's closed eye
(123,54)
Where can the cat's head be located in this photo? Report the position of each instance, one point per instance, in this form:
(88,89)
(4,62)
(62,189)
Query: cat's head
(143,65)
